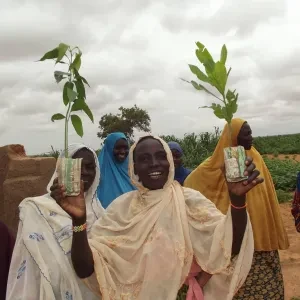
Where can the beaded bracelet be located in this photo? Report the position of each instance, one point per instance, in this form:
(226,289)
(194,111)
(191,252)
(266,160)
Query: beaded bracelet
(79,228)
(238,207)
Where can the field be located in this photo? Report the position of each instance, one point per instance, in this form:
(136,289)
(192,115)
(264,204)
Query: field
(283,160)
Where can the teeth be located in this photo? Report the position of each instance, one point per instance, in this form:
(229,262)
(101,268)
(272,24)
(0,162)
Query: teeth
(155,174)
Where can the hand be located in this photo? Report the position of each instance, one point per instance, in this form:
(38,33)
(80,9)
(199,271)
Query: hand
(58,192)
(242,188)
(74,205)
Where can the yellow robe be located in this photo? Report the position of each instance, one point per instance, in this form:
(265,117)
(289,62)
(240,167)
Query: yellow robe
(262,202)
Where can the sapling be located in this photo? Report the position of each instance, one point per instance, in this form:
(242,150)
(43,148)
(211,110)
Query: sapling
(216,76)
(74,98)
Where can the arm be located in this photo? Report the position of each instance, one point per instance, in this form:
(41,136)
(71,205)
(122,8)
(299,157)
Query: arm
(239,222)
(237,194)
(81,253)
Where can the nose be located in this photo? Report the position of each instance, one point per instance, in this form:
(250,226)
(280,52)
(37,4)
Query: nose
(154,162)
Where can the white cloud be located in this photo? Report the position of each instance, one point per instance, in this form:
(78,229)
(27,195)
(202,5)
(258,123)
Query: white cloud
(134,52)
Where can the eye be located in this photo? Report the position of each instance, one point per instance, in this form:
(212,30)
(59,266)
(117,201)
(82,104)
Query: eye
(143,158)
(162,155)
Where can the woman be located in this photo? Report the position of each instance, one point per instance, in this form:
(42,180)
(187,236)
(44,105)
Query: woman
(181,173)
(41,266)
(144,245)
(6,250)
(263,208)
(296,204)
(113,160)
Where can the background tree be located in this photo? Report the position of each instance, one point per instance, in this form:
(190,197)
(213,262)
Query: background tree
(125,121)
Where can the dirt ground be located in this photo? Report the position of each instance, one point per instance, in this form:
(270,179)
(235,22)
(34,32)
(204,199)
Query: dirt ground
(295,157)
(290,258)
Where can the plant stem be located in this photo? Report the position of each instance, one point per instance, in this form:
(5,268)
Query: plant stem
(229,124)
(67,116)
(230,134)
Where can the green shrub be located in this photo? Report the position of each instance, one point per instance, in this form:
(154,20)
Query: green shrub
(284,196)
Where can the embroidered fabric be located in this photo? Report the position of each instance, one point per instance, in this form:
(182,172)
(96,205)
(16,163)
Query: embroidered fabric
(144,245)
(41,267)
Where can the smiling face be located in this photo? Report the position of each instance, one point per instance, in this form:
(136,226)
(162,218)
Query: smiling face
(151,163)
(121,150)
(245,138)
(88,167)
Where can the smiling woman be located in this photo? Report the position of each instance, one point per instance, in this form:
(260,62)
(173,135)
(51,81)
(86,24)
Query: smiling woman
(144,246)
(113,160)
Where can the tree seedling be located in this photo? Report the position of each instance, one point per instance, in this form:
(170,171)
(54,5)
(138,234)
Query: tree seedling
(74,98)
(216,76)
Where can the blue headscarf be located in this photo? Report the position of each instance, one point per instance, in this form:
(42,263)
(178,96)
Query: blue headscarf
(181,173)
(114,178)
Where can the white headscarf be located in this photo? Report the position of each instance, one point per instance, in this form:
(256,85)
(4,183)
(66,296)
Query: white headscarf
(144,245)
(94,208)
(41,266)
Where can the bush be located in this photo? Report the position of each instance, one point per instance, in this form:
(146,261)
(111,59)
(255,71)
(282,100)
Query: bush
(284,196)
(284,173)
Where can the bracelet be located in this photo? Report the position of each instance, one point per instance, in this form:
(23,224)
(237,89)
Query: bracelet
(79,228)
(238,207)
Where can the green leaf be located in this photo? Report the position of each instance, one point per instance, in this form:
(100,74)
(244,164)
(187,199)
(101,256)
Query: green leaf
(228,72)
(85,81)
(217,109)
(59,76)
(230,95)
(77,124)
(223,55)
(200,46)
(50,54)
(197,86)
(227,114)
(201,76)
(80,88)
(62,49)
(78,76)
(206,59)
(219,77)
(88,112)
(77,62)
(56,117)
(80,105)
(71,94)
(67,85)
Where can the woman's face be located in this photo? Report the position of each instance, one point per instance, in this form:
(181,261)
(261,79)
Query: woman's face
(245,138)
(177,157)
(88,167)
(151,163)
(121,150)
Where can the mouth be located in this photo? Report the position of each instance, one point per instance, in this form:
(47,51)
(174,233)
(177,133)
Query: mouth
(155,175)
(121,156)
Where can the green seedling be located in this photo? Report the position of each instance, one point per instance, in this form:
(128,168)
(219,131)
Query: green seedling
(216,76)
(74,96)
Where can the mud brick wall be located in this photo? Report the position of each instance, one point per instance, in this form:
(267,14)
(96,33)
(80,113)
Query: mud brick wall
(21,177)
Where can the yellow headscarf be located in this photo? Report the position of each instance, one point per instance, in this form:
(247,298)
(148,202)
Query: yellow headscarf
(262,202)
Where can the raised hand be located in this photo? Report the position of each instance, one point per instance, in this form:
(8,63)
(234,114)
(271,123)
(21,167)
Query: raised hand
(74,205)
(243,187)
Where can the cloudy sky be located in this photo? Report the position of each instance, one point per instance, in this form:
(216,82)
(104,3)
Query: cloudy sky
(135,51)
